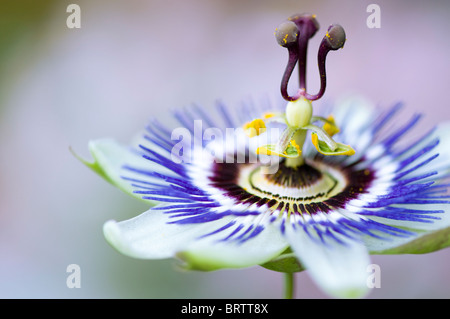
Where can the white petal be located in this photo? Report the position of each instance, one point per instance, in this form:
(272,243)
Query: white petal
(109,159)
(340,270)
(353,115)
(423,229)
(441,164)
(149,236)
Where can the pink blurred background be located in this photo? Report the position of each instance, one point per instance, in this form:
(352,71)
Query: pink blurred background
(131,61)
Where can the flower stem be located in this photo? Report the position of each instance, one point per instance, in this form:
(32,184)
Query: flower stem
(289,285)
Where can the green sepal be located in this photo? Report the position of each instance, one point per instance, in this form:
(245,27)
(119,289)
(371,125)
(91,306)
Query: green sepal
(424,244)
(94,165)
(286,263)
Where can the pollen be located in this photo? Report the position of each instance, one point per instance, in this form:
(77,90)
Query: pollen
(350,152)
(264,151)
(255,128)
(315,140)
(330,126)
(268,115)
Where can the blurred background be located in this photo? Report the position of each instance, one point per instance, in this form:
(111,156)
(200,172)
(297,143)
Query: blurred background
(131,61)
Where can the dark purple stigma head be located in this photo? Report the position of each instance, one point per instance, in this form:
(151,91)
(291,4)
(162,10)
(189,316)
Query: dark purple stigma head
(294,34)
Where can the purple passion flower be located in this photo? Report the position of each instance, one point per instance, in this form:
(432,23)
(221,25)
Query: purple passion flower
(280,187)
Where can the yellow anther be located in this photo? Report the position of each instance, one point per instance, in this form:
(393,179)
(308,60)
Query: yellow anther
(255,128)
(262,150)
(330,126)
(350,152)
(315,140)
(268,115)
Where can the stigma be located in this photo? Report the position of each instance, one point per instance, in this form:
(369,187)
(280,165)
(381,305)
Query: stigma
(294,34)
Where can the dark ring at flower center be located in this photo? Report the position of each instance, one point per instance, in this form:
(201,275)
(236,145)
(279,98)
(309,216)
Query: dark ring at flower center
(302,176)
(302,184)
(315,186)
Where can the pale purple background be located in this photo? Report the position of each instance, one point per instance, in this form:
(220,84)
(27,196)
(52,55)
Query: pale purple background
(133,60)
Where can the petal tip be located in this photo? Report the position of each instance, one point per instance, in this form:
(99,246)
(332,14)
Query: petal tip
(115,237)
(112,233)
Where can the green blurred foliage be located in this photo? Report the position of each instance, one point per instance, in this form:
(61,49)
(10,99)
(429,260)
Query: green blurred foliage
(21,20)
(22,27)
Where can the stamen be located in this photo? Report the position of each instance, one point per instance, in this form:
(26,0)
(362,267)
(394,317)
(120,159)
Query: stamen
(330,126)
(254,128)
(268,115)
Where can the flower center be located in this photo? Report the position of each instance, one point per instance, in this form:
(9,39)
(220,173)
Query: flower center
(303,184)
(298,185)
(316,186)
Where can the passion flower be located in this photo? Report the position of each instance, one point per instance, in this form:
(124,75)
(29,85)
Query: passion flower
(338,187)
